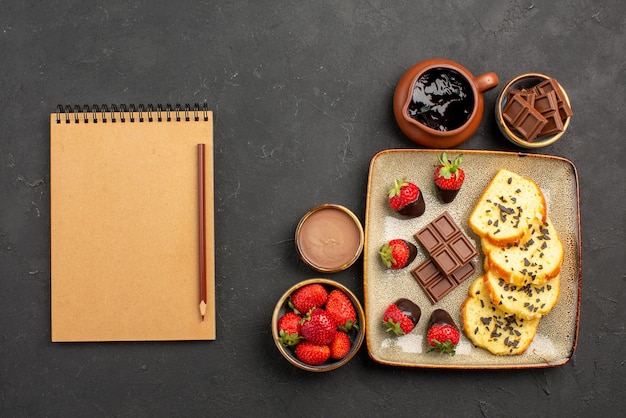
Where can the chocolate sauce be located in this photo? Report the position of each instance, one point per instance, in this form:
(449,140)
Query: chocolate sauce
(410,309)
(414,209)
(446,195)
(441,317)
(412,251)
(442,99)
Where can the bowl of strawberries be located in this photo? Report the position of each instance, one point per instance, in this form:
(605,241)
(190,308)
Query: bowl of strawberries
(318,325)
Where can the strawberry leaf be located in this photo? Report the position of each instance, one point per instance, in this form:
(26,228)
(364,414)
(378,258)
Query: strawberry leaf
(348,326)
(397,187)
(445,347)
(288,339)
(448,167)
(392,326)
(386,254)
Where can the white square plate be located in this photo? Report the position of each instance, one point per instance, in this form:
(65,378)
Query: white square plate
(556,336)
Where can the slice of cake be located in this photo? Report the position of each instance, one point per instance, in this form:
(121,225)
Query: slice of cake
(529,301)
(492,328)
(508,204)
(536,258)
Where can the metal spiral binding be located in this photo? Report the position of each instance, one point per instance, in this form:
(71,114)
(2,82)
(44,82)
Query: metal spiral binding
(131,114)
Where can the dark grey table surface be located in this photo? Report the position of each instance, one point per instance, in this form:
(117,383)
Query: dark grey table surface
(302,98)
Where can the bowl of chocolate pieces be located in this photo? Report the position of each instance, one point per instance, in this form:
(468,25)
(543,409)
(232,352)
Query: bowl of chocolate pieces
(533,110)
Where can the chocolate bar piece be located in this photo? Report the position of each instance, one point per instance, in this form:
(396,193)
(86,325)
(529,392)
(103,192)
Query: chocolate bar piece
(565,111)
(546,103)
(435,284)
(554,125)
(450,261)
(528,95)
(523,117)
(530,124)
(548,86)
(514,109)
(447,245)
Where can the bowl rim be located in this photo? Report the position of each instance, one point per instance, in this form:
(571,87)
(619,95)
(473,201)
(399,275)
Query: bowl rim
(357,224)
(504,128)
(356,345)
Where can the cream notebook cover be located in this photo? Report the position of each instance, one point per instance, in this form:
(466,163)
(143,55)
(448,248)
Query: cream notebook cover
(125,227)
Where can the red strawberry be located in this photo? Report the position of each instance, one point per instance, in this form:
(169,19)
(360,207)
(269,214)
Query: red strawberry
(340,307)
(401,316)
(449,177)
(443,334)
(340,347)
(289,329)
(398,253)
(308,297)
(406,198)
(319,327)
(311,353)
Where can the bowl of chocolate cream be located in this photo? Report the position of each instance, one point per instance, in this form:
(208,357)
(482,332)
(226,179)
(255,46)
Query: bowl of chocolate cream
(329,238)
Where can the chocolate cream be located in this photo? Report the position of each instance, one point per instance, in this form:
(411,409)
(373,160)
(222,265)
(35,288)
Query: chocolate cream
(329,239)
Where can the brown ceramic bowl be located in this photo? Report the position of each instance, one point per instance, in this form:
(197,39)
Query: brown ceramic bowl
(356,335)
(329,238)
(526,81)
(435,138)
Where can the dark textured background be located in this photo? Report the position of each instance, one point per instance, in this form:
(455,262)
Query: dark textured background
(302,98)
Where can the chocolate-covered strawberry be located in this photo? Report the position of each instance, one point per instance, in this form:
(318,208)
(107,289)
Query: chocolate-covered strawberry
(397,253)
(449,177)
(443,334)
(401,316)
(406,199)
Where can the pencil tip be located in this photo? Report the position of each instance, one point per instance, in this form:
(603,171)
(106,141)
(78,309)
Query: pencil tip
(202,309)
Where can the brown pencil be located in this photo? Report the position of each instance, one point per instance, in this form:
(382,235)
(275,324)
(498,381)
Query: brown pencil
(201,230)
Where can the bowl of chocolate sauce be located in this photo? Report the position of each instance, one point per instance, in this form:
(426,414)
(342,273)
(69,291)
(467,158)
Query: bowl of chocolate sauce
(438,103)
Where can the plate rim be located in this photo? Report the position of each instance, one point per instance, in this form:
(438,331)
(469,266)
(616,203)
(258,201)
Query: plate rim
(578,261)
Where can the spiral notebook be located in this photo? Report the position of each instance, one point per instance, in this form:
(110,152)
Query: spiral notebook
(125,212)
